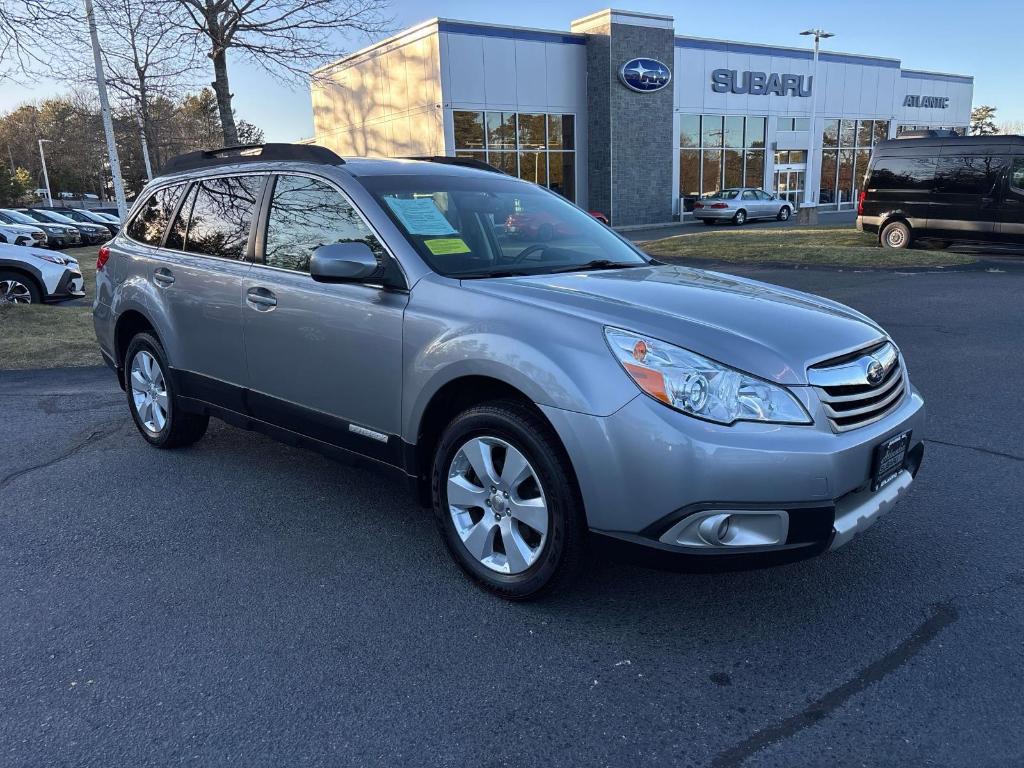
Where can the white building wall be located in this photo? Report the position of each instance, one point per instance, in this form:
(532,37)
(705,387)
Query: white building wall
(384,101)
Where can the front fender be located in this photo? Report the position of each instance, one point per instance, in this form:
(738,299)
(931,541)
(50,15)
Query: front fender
(554,359)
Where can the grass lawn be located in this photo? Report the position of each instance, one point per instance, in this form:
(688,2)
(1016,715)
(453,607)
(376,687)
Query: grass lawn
(829,246)
(52,335)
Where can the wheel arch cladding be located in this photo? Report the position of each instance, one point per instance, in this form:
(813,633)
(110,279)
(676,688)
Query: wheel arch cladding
(454,397)
(130,323)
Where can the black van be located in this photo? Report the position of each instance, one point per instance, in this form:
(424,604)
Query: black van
(940,187)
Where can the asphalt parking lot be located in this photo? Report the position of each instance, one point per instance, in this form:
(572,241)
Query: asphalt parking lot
(246,603)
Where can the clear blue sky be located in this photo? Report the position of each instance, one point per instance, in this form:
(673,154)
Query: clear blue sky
(980,38)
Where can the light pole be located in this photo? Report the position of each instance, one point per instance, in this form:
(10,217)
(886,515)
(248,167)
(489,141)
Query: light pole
(108,124)
(46,177)
(819,35)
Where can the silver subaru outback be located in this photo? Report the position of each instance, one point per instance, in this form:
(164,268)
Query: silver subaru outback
(543,395)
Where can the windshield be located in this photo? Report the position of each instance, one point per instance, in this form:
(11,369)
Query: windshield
(50,216)
(19,218)
(491,227)
(723,194)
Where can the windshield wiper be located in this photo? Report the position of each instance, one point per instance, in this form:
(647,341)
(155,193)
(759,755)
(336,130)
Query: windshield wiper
(478,275)
(598,264)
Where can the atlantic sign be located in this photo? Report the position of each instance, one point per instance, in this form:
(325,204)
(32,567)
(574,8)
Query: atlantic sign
(760,83)
(645,75)
(927,102)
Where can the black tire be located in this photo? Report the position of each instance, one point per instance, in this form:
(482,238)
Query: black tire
(895,235)
(181,428)
(35,293)
(740,218)
(563,549)
(784,213)
(708,222)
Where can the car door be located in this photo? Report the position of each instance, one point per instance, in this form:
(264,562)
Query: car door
(753,206)
(1010,214)
(324,359)
(198,275)
(964,200)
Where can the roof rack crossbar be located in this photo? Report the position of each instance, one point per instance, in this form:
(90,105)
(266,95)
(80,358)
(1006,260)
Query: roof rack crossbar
(252,153)
(465,162)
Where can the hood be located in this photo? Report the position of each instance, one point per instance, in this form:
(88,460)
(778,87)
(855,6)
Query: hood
(766,330)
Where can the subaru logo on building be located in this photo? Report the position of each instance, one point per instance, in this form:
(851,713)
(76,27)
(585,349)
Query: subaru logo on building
(645,75)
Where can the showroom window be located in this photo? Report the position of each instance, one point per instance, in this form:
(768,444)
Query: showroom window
(792,124)
(535,146)
(959,130)
(719,151)
(846,151)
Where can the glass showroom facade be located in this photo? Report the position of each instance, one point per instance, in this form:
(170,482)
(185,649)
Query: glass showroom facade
(717,151)
(537,147)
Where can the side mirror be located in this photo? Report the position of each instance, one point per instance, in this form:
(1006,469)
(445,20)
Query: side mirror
(342,263)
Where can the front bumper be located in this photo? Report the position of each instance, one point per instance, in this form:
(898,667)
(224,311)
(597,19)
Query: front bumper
(647,472)
(71,286)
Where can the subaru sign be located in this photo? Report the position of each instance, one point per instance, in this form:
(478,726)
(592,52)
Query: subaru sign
(645,75)
(760,83)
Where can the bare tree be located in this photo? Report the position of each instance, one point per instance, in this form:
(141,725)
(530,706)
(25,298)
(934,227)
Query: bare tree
(287,38)
(20,50)
(144,55)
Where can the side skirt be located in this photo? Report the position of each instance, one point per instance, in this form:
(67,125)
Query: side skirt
(291,424)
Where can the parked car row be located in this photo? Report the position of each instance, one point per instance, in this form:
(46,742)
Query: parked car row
(56,228)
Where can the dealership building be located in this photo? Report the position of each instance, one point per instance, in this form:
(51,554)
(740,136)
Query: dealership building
(622,115)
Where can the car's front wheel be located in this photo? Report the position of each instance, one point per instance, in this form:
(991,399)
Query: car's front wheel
(506,500)
(15,288)
(152,399)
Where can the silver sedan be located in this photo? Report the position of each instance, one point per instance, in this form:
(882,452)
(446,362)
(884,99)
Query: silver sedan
(741,204)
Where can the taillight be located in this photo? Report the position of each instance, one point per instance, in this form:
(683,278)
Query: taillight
(860,202)
(720,205)
(101,258)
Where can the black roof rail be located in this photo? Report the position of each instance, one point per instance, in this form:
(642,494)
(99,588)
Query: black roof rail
(252,153)
(465,162)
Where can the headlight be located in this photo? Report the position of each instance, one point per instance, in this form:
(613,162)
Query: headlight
(51,258)
(701,387)
(53,229)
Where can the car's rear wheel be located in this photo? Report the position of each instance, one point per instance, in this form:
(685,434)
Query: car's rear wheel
(740,218)
(895,235)
(506,501)
(784,213)
(15,288)
(152,399)
(708,222)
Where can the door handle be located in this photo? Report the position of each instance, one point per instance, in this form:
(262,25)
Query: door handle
(261,299)
(163,277)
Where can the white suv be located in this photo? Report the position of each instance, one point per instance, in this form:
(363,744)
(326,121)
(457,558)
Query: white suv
(31,275)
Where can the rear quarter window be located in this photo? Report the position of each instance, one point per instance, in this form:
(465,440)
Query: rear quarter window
(968,174)
(902,173)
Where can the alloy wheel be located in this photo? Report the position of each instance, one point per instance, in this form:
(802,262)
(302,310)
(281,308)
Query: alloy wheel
(149,391)
(497,505)
(741,217)
(14,292)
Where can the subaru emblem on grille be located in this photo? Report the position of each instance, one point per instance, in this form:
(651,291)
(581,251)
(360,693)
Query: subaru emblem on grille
(876,372)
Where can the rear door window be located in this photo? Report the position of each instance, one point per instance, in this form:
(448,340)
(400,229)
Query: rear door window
(1017,174)
(967,174)
(903,173)
(221,216)
(148,225)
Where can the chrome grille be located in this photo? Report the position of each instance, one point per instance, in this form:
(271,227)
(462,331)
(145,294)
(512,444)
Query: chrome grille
(849,396)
